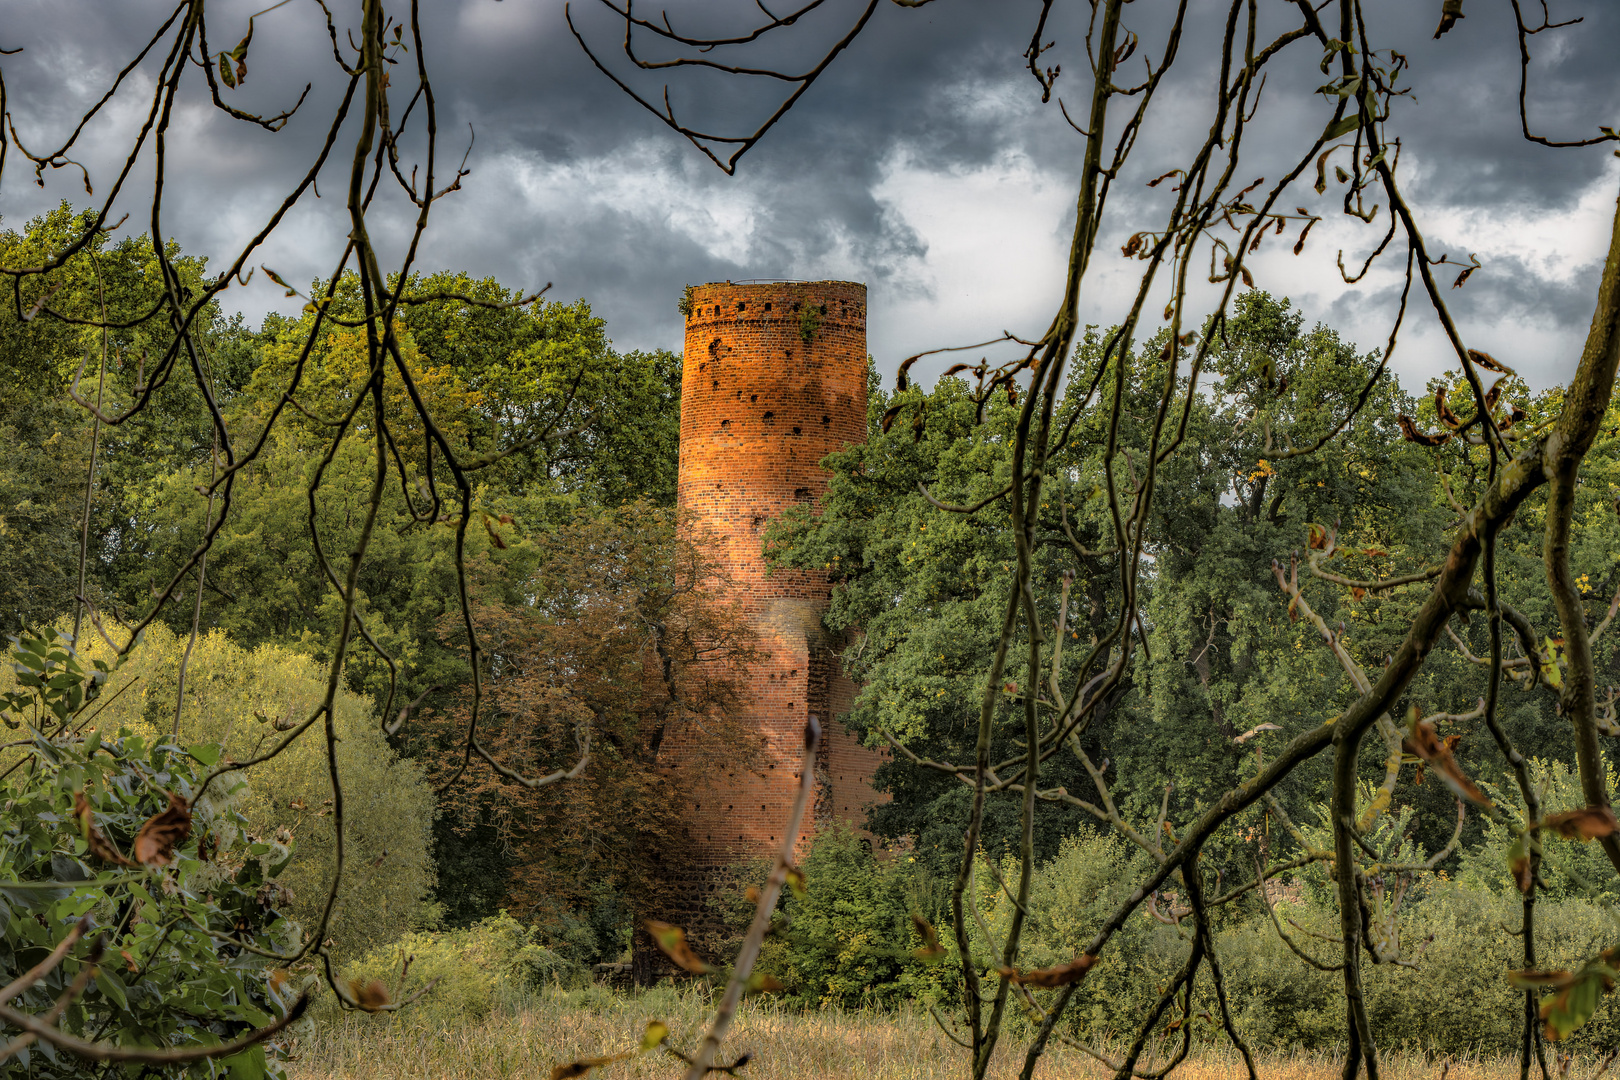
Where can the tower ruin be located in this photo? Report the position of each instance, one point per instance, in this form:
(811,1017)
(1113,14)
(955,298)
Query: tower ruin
(773,380)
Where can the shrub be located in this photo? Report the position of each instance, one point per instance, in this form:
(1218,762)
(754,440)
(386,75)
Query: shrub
(848,939)
(241,699)
(1455,999)
(494,964)
(74,805)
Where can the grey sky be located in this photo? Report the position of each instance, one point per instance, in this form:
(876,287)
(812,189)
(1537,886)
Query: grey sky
(922,163)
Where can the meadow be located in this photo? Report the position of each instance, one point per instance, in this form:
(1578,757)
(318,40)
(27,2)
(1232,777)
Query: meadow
(906,1044)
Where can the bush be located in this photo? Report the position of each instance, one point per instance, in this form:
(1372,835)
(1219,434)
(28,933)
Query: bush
(1456,999)
(75,804)
(494,964)
(849,940)
(237,698)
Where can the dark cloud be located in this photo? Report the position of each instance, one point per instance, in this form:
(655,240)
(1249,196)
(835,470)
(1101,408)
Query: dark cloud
(896,146)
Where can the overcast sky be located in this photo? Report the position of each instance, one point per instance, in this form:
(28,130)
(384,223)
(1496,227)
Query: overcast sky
(923,163)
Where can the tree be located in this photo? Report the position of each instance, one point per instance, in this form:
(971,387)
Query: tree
(619,641)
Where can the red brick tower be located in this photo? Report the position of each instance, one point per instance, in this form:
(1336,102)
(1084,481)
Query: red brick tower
(774,379)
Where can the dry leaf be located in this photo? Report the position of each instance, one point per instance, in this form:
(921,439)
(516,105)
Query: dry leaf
(1443,410)
(1489,362)
(1422,742)
(494,537)
(155,843)
(372,996)
(1591,823)
(1410,432)
(100,846)
(582,1066)
(1062,975)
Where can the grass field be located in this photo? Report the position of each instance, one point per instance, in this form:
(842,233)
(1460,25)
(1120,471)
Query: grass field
(529,1041)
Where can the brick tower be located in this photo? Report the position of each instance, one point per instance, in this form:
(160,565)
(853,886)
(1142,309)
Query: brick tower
(774,379)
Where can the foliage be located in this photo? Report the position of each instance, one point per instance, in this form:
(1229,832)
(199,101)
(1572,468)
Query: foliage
(168,975)
(243,701)
(623,639)
(1569,869)
(847,942)
(45,441)
(496,963)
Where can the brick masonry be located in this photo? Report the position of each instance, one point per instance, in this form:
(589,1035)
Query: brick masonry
(760,407)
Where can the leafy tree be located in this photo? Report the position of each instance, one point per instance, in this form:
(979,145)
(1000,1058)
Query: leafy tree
(620,642)
(45,454)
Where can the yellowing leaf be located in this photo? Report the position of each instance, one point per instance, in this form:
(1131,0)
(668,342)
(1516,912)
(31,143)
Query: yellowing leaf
(671,940)
(932,951)
(760,982)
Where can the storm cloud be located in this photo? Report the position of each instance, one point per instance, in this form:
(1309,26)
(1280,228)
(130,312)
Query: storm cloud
(923,163)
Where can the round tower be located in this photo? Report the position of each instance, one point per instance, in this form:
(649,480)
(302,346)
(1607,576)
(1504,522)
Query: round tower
(774,379)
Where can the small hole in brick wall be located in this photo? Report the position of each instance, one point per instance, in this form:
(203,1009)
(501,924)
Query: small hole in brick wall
(742,305)
(826,421)
(731,808)
(714,349)
(770,418)
(757,522)
(724,424)
(801,494)
(767,305)
(795,305)
(753,397)
(762,806)
(824,309)
(790,704)
(717,309)
(844,310)
(798,430)
(716,385)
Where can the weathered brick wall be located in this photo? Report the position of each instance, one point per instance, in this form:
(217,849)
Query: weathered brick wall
(760,408)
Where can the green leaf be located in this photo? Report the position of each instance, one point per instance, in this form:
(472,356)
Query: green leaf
(248,1065)
(112,988)
(1342,126)
(207,753)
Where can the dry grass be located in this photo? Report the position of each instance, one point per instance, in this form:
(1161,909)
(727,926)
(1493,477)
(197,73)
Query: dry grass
(828,1044)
